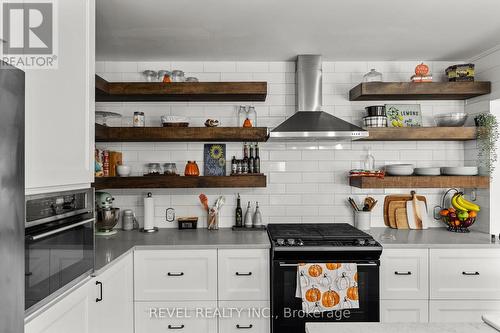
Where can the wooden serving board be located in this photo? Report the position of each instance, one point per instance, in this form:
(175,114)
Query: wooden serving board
(393,207)
(398,197)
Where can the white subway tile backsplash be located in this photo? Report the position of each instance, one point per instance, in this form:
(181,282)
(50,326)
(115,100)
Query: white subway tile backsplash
(250,66)
(121,67)
(219,66)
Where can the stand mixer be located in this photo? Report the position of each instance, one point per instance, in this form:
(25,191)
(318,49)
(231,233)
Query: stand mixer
(107,216)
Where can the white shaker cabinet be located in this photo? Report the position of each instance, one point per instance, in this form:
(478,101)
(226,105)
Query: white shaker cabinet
(112,298)
(60,106)
(404,311)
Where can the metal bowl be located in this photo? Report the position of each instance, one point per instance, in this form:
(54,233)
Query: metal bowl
(456,119)
(107,219)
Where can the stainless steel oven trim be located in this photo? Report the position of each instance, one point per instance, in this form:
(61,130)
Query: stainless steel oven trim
(58,217)
(59,230)
(327,248)
(282,264)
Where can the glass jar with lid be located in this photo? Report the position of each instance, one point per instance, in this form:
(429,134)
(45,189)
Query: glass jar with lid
(252,115)
(170,169)
(372,76)
(242,115)
(178,76)
(154,169)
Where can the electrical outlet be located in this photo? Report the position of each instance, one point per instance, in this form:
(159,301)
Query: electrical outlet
(170,215)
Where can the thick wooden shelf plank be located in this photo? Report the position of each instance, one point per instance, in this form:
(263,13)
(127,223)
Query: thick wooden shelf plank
(421,134)
(374,91)
(180,134)
(421,182)
(162,181)
(179,91)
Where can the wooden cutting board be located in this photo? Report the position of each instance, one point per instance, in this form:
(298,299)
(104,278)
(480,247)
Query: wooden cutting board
(393,207)
(401,218)
(398,197)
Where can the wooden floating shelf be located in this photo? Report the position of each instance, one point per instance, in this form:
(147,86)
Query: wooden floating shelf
(162,181)
(180,134)
(421,182)
(421,134)
(376,91)
(179,91)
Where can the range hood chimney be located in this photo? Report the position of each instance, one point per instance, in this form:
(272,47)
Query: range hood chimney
(309,122)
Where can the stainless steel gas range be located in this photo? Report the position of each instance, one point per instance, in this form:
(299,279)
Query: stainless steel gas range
(294,244)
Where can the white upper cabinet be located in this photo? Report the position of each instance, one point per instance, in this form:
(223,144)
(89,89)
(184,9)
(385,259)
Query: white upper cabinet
(60,106)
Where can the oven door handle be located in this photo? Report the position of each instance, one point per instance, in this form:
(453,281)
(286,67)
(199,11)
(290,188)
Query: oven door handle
(58,230)
(282,264)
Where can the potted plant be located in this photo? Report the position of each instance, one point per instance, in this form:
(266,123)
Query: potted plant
(487,138)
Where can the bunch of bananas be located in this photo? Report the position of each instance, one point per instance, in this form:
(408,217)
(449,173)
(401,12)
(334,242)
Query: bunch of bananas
(461,204)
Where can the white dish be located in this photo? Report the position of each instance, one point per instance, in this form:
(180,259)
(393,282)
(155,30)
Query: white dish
(123,170)
(427,171)
(400,172)
(460,171)
(174,119)
(399,169)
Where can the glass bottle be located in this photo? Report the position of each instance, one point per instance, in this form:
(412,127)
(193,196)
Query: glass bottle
(234,166)
(239,213)
(372,76)
(251,161)
(248,216)
(245,158)
(256,167)
(252,115)
(242,115)
(257,216)
(369,163)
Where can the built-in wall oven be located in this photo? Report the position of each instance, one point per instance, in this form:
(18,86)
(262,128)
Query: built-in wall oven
(308,243)
(59,244)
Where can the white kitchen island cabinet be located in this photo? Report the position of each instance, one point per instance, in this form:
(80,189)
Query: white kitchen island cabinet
(60,106)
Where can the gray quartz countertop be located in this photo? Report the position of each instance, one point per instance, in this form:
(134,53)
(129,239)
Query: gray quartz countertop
(399,327)
(435,238)
(109,248)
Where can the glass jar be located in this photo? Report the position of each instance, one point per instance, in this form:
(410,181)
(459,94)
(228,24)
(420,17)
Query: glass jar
(170,169)
(139,119)
(242,115)
(178,76)
(150,75)
(252,115)
(372,76)
(191,169)
(154,169)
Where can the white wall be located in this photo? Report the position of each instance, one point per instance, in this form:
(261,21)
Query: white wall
(307,182)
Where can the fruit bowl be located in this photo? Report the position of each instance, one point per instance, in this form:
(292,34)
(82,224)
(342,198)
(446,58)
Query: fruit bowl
(461,215)
(457,225)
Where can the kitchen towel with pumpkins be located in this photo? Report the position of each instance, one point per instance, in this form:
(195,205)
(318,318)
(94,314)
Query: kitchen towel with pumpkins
(327,286)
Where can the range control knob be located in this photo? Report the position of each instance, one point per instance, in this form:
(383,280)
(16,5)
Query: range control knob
(300,242)
(290,241)
(372,242)
(280,241)
(360,242)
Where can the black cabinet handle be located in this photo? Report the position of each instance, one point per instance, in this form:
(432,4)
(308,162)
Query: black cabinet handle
(402,273)
(470,273)
(243,274)
(175,274)
(98,283)
(240,327)
(175,327)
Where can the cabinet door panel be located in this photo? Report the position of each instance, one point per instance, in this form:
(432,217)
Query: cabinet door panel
(461,311)
(404,311)
(246,316)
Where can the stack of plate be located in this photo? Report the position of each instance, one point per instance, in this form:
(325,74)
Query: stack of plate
(427,171)
(460,171)
(399,169)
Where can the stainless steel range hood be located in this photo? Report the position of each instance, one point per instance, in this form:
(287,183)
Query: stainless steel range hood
(309,122)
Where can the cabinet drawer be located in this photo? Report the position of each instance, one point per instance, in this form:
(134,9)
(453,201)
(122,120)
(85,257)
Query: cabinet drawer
(251,317)
(404,274)
(244,275)
(175,275)
(182,317)
(465,274)
(463,311)
(404,311)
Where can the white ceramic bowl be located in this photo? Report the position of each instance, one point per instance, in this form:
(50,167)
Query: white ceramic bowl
(460,171)
(123,170)
(399,169)
(427,171)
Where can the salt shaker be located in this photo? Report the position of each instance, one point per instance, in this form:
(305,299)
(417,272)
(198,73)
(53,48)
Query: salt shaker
(248,217)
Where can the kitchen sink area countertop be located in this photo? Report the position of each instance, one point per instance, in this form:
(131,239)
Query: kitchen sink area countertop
(399,327)
(433,238)
(109,248)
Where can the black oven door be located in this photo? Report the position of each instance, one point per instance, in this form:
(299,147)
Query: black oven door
(286,308)
(56,254)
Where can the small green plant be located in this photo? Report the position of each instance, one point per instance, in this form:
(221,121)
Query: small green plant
(487,138)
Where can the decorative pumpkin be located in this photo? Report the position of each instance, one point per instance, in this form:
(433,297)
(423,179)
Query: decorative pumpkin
(191,169)
(313,294)
(333,266)
(352,293)
(422,70)
(356,276)
(346,304)
(315,270)
(247,123)
(342,282)
(330,299)
(304,280)
(326,280)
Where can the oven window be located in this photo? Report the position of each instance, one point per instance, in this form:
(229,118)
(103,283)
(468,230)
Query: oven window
(55,260)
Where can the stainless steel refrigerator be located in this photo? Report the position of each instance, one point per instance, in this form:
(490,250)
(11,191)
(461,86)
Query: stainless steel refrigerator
(11,199)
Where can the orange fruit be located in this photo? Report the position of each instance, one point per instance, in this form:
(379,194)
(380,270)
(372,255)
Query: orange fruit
(444,212)
(472,213)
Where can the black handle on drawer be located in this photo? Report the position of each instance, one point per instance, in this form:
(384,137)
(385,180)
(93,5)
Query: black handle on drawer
(98,283)
(402,273)
(244,327)
(175,274)
(470,273)
(175,327)
(244,274)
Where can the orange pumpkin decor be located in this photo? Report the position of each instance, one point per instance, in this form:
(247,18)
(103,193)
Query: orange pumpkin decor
(352,293)
(315,270)
(330,299)
(191,169)
(313,294)
(333,266)
(356,277)
(422,70)
(247,123)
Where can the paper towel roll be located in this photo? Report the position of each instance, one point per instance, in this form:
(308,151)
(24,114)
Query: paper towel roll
(149,212)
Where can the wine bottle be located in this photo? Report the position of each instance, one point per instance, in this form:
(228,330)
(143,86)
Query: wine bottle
(239,213)
(256,162)
(234,166)
(251,161)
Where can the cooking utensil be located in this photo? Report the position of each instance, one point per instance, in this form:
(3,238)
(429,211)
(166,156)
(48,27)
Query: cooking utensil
(393,206)
(416,210)
(455,119)
(204,201)
(353,204)
(388,199)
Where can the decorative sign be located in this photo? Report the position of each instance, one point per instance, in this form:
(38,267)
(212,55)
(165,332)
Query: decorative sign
(403,115)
